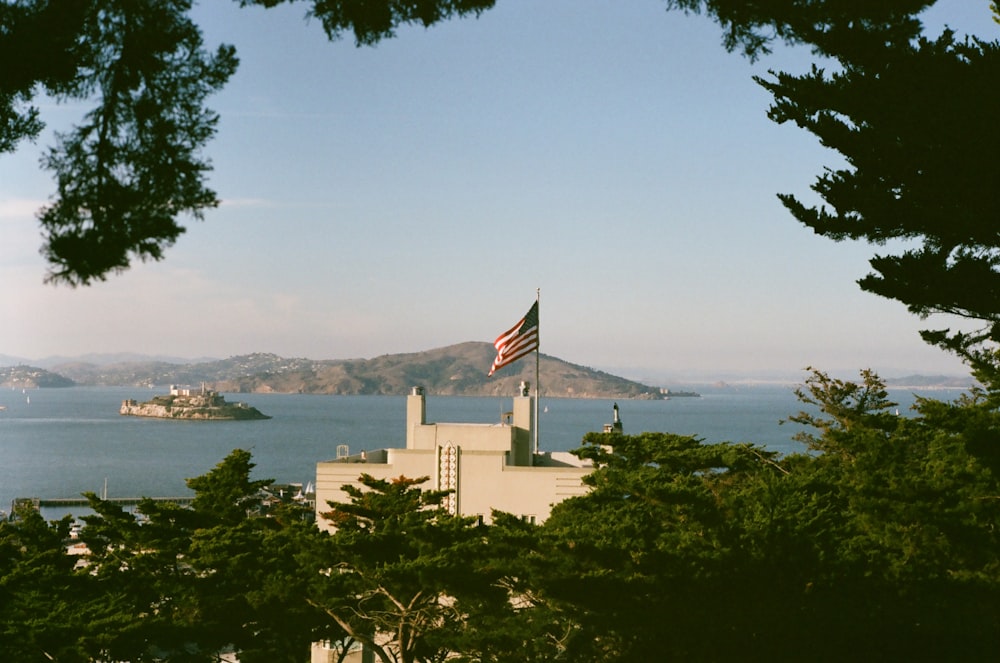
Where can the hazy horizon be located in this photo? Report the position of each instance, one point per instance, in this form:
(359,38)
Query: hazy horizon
(415,195)
(647,375)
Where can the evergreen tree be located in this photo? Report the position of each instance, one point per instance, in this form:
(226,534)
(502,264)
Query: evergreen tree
(134,164)
(879,543)
(186,584)
(916,126)
(39,591)
(400,574)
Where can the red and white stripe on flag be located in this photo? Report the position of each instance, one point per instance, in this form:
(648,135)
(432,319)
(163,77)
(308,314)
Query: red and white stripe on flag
(518,341)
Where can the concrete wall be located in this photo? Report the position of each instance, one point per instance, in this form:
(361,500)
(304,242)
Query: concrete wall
(489,466)
(484,481)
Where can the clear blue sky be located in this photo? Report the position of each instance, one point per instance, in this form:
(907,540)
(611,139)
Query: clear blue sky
(415,194)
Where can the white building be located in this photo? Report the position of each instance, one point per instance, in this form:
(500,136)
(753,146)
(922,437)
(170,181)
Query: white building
(488,466)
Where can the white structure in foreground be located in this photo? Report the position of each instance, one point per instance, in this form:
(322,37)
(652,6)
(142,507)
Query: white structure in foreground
(488,466)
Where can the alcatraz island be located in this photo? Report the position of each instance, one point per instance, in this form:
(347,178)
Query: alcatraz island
(196,404)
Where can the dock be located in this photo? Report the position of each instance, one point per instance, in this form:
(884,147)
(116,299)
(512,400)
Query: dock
(66,502)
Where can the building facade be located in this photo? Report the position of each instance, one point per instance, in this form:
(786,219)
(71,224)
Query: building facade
(487,466)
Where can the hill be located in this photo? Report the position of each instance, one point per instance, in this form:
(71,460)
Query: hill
(931,382)
(453,370)
(31,377)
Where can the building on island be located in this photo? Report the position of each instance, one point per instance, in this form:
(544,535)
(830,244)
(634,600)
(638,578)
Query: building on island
(188,390)
(487,466)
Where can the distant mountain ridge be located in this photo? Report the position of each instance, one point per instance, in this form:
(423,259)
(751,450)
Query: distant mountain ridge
(98,358)
(453,370)
(931,381)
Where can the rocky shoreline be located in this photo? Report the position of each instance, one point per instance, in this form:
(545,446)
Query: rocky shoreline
(204,405)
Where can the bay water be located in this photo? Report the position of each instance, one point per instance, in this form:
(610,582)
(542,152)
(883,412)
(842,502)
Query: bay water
(62,442)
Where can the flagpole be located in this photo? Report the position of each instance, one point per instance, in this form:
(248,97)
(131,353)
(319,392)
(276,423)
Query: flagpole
(538,299)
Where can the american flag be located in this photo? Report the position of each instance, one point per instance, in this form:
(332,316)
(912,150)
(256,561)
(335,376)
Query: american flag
(517,341)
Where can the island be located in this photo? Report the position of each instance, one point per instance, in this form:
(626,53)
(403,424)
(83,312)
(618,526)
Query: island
(196,404)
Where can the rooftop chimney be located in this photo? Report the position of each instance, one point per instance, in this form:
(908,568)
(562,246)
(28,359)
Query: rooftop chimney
(416,413)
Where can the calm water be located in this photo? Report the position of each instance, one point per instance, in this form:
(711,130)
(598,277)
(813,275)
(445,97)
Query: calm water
(61,442)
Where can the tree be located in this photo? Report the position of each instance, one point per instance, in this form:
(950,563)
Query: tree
(516,620)
(915,120)
(373,21)
(917,128)
(399,571)
(226,494)
(43,39)
(140,602)
(648,562)
(39,591)
(251,591)
(134,166)
(187,584)
(827,26)
(916,557)
(879,543)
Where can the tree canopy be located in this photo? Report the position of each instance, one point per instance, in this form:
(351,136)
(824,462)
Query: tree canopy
(878,542)
(914,118)
(401,574)
(829,27)
(372,21)
(134,165)
(916,126)
(179,585)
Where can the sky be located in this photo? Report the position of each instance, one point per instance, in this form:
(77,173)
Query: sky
(612,157)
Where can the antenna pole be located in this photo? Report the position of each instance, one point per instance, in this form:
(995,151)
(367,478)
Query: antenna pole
(538,300)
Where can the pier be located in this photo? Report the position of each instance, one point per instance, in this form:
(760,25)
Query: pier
(66,502)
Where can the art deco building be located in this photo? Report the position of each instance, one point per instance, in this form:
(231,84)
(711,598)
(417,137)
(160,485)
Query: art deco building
(487,466)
